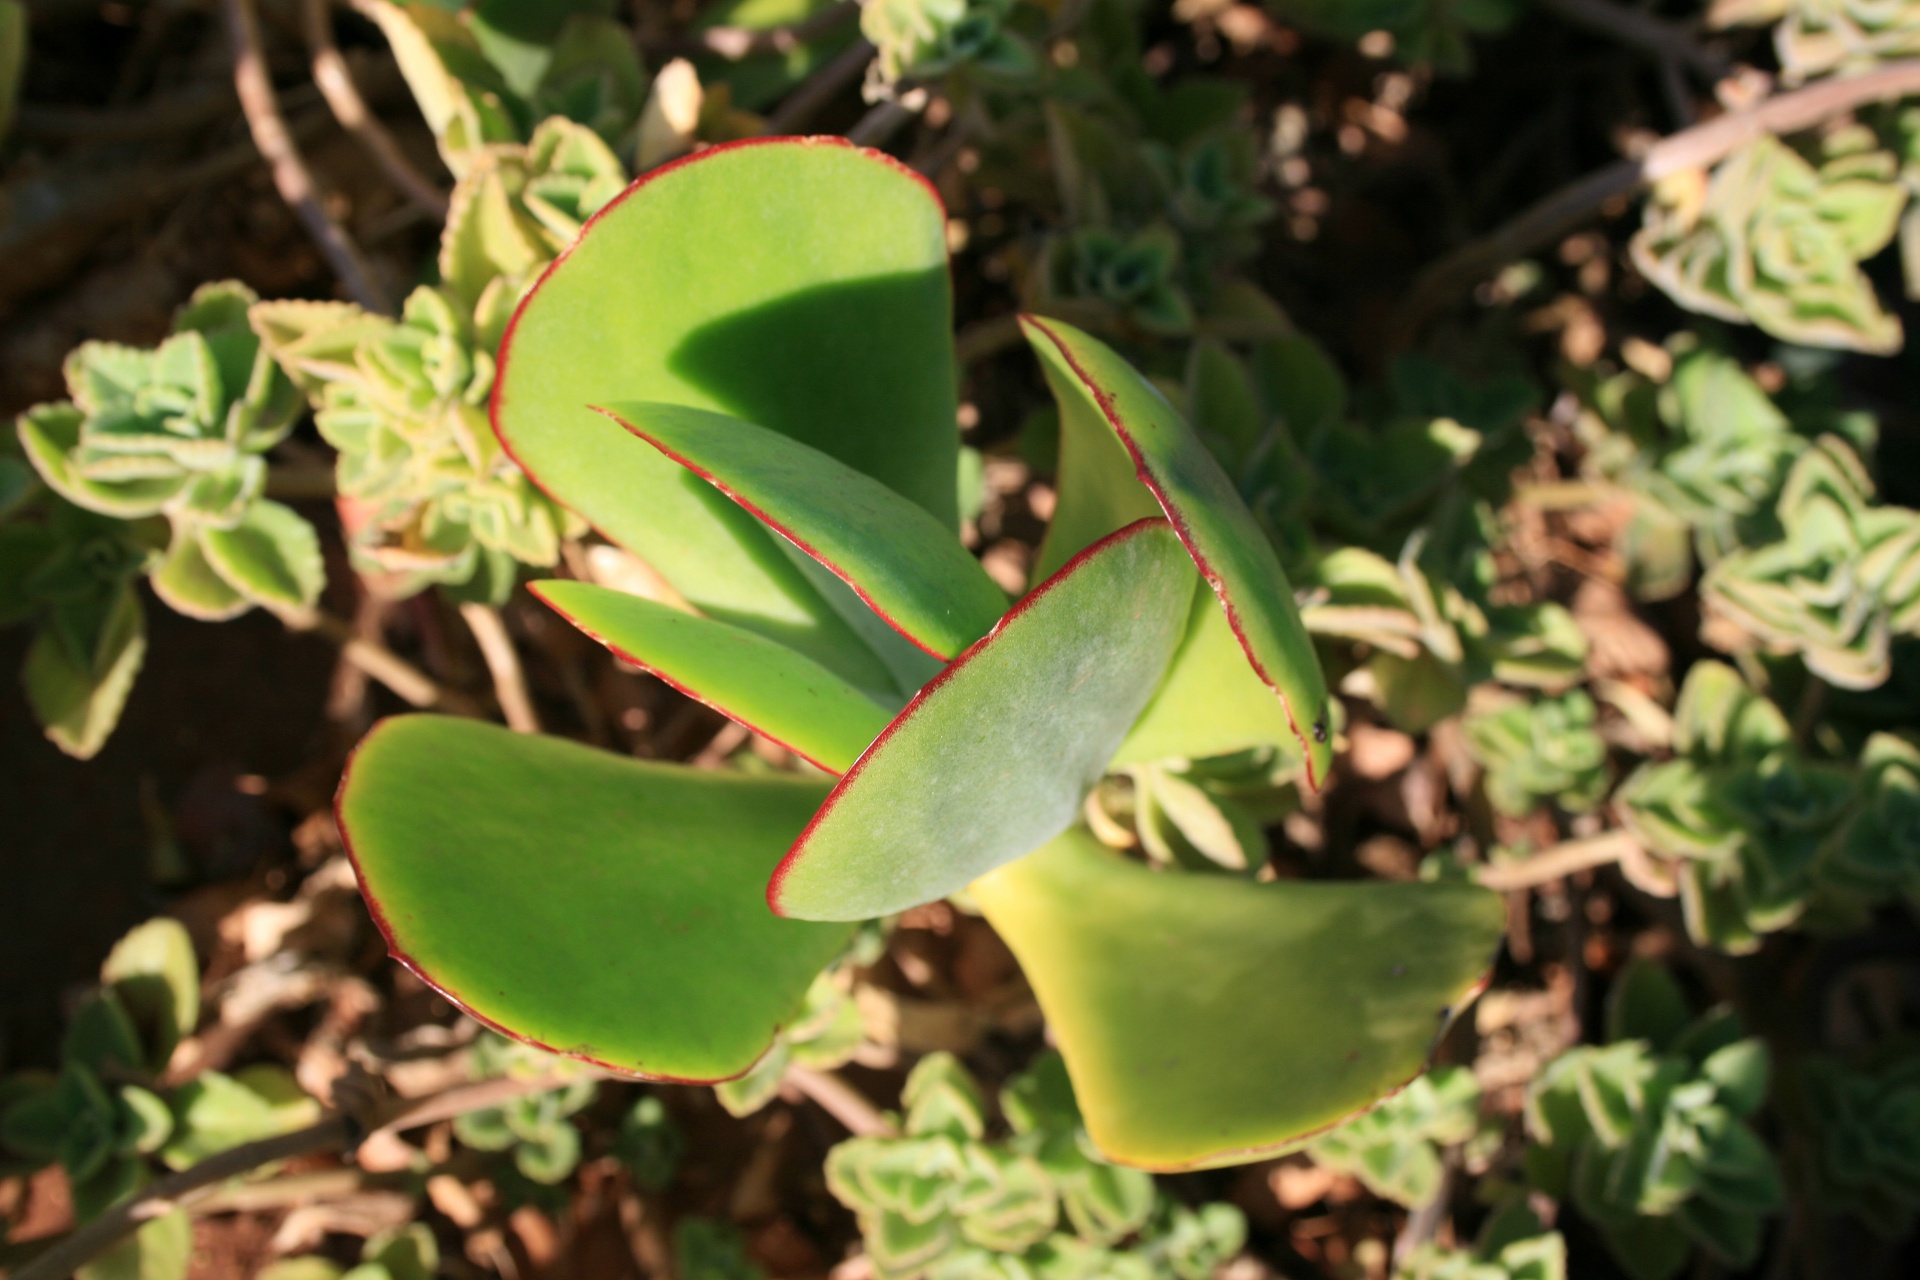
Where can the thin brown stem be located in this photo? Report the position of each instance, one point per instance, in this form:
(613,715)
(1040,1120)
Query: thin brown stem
(821,87)
(290,173)
(503,664)
(1562,859)
(841,1101)
(413,685)
(1699,147)
(331,73)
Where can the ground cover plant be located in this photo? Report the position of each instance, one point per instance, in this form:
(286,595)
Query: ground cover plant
(959,639)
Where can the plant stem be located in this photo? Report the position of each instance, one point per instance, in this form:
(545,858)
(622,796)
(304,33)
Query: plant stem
(841,1101)
(1562,859)
(413,685)
(330,72)
(987,337)
(503,663)
(819,88)
(290,174)
(1699,147)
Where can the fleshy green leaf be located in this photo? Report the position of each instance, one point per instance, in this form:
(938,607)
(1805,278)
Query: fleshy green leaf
(214,1112)
(603,907)
(188,583)
(79,701)
(903,562)
(1206,1020)
(1227,544)
(797,283)
(995,757)
(153,971)
(160,1250)
(272,557)
(743,675)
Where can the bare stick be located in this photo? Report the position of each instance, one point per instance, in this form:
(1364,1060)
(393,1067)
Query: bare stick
(330,72)
(841,1101)
(413,685)
(1698,147)
(1562,859)
(503,663)
(734,43)
(290,173)
(1659,39)
(821,87)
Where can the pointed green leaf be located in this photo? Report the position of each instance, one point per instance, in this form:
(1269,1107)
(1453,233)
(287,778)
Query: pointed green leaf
(1226,542)
(602,907)
(761,683)
(160,1250)
(272,557)
(906,565)
(994,758)
(797,283)
(1207,1020)
(49,433)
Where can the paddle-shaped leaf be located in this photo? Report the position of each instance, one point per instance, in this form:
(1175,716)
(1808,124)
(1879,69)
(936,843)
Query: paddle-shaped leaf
(906,565)
(761,683)
(1226,542)
(994,757)
(800,284)
(604,908)
(1206,1020)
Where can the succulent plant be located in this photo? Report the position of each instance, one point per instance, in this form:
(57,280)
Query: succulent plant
(1511,1246)
(943,1201)
(182,431)
(1840,582)
(1544,750)
(1739,808)
(1433,632)
(401,1253)
(430,495)
(1776,239)
(71,573)
(921,39)
(773,317)
(823,1035)
(1821,37)
(489,73)
(1648,1136)
(1395,1148)
(1134,277)
(1877,853)
(534,1126)
(105,1117)
(1865,1124)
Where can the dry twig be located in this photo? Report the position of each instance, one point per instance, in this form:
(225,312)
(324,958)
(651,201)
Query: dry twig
(821,87)
(331,73)
(1699,147)
(841,1101)
(1562,859)
(503,663)
(413,685)
(290,173)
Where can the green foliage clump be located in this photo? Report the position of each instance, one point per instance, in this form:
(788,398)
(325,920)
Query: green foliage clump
(1204,815)
(704,1249)
(921,39)
(1544,750)
(945,1202)
(1839,583)
(1877,854)
(534,1127)
(1821,37)
(71,573)
(181,431)
(1776,239)
(105,1117)
(823,1035)
(1395,1147)
(1511,1246)
(1866,1124)
(1742,811)
(1648,1136)
(432,496)
(403,1253)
